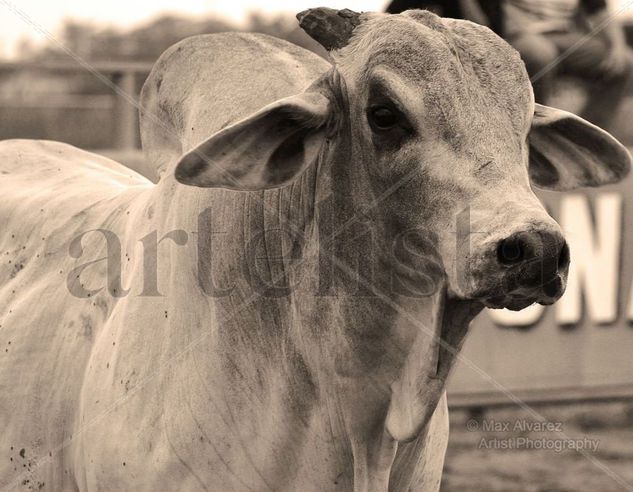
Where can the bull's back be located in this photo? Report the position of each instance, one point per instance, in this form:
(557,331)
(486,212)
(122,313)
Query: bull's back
(51,193)
(205,83)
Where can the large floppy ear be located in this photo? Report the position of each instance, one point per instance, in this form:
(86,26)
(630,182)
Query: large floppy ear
(567,152)
(266,150)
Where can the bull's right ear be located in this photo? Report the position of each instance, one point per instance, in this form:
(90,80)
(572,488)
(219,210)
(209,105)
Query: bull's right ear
(567,152)
(266,150)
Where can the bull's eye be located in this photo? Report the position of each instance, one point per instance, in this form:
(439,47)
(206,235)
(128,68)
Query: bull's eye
(382,118)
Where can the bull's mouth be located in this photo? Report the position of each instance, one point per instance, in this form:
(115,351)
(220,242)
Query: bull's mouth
(520,298)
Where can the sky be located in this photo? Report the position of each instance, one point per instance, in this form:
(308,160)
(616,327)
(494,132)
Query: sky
(21,19)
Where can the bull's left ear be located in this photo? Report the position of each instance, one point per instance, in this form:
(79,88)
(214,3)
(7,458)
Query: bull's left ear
(567,152)
(266,150)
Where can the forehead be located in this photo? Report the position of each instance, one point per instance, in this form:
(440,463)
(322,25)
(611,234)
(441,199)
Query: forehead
(464,74)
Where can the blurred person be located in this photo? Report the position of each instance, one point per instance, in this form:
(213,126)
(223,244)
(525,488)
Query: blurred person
(553,37)
(484,12)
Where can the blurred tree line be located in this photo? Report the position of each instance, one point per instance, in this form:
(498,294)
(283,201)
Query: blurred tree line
(78,108)
(144,43)
(148,41)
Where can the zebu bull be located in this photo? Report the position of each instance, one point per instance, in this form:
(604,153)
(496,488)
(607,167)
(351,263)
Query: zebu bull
(289,335)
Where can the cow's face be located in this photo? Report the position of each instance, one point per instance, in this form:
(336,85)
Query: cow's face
(439,130)
(445,132)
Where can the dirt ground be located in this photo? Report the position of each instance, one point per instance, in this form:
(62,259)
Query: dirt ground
(510,450)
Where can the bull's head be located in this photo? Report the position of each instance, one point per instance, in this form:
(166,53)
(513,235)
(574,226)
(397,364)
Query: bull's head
(445,107)
(434,120)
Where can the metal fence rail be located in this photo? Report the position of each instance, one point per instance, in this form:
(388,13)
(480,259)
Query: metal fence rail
(124,75)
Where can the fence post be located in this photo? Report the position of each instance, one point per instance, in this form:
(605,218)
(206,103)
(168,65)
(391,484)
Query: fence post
(125,112)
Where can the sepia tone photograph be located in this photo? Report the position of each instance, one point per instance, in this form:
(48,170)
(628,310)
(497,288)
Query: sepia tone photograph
(345,245)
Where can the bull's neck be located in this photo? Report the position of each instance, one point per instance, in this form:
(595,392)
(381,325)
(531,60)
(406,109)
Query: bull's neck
(307,256)
(294,290)
(258,236)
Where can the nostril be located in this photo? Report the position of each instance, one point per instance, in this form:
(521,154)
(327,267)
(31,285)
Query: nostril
(563,257)
(511,251)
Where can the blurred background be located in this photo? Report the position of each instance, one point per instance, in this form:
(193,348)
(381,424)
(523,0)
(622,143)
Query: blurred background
(72,70)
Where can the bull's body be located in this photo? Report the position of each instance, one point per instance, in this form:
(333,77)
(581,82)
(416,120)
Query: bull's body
(293,342)
(52,193)
(145,392)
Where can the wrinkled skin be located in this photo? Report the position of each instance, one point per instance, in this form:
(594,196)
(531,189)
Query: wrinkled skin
(321,372)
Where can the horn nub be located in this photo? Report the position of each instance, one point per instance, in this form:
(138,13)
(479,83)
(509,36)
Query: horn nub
(331,28)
